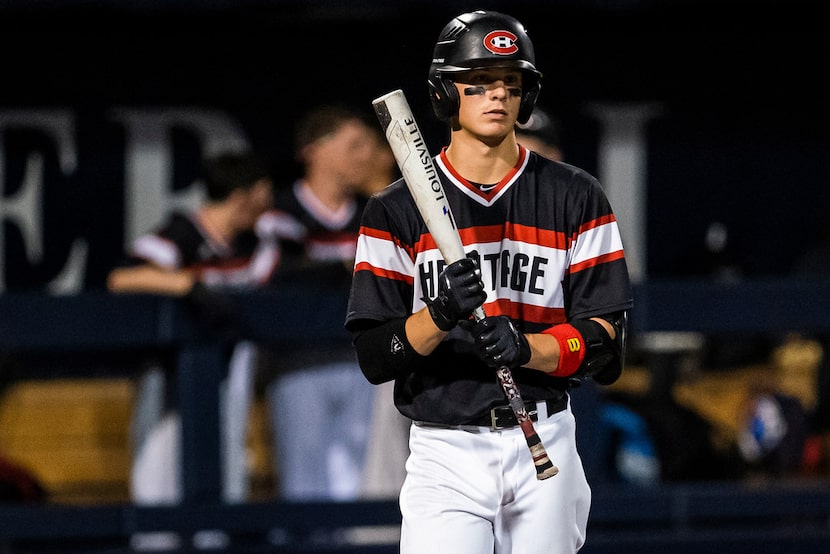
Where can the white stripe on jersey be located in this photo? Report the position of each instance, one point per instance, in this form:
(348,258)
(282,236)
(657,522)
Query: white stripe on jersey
(276,223)
(161,252)
(255,272)
(331,251)
(265,261)
(596,242)
(384,255)
(333,220)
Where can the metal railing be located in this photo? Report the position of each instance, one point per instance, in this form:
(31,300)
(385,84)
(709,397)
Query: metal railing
(775,517)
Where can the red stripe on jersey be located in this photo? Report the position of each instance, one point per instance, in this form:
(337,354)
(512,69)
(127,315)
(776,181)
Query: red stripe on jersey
(593,262)
(534,235)
(222,266)
(381,272)
(516,232)
(525,312)
(387,236)
(425,242)
(375,233)
(488,233)
(598,222)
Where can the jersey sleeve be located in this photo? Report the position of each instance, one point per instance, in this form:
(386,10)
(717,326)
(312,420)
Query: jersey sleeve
(597,280)
(172,245)
(382,284)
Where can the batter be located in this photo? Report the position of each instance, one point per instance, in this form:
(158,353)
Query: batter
(544,258)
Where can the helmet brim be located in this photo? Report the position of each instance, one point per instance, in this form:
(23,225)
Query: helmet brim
(489,64)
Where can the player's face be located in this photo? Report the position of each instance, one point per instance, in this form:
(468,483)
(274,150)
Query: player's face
(489,100)
(254,201)
(345,156)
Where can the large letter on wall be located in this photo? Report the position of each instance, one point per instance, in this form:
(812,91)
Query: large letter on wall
(25,208)
(148,194)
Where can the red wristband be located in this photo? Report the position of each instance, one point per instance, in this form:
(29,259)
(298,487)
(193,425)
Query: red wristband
(571,349)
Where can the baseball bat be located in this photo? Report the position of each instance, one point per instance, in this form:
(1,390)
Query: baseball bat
(422,180)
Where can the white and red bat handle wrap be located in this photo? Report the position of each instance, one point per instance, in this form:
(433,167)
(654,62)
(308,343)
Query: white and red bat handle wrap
(544,465)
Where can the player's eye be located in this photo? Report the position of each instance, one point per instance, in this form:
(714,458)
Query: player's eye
(474,79)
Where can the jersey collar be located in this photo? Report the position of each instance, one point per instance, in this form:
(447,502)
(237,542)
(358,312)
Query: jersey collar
(488,197)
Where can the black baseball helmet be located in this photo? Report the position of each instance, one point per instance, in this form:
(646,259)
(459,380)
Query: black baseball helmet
(481,39)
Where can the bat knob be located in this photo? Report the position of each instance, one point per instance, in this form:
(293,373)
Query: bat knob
(546,471)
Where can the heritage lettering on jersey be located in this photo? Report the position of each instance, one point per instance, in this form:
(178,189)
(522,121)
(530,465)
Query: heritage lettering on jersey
(508,270)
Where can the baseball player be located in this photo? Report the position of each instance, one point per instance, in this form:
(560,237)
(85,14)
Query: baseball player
(544,258)
(196,255)
(317,219)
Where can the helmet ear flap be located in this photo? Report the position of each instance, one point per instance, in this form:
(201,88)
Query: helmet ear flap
(444,96)
(529,98)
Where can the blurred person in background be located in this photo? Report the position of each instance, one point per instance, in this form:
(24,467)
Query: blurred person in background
(772,430)
(317,218)
(542,133)
(198,256)
(811,350)
(388,445)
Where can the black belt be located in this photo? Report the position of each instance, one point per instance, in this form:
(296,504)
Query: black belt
(502,417)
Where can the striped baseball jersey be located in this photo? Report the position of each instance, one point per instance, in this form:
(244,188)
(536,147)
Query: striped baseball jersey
(181,242)
(311,234)
(549,250)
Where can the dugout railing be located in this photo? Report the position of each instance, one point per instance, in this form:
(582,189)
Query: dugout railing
(791,516)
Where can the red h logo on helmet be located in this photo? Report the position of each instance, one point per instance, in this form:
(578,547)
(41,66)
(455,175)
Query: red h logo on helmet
(502,43)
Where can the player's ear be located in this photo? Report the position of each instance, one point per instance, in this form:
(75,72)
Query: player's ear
(305,154)
(444,97)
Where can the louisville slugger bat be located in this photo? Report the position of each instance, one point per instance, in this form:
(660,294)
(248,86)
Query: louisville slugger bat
(421,177)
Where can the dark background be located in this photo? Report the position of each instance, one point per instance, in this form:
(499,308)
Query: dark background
(743,138)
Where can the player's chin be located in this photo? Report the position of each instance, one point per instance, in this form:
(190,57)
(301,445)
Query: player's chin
(496,130)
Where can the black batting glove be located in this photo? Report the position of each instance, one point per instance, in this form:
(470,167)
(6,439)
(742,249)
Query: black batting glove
(460,291)
(499,342)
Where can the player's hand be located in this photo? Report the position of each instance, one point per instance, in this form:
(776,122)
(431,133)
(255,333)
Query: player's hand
(460,291)
(499,342)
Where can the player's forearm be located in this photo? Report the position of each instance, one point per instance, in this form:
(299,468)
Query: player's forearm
(545,351)
(422,333)
(150,280)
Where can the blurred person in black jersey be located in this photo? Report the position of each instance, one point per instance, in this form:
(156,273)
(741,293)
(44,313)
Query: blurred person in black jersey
(198,256)
(317,218)
(388,446)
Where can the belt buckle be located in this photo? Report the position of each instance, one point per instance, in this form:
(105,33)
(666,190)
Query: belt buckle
(502,417)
